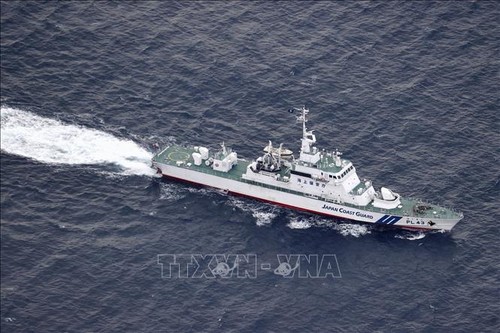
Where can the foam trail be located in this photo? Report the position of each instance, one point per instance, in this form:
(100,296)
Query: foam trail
(262,213)
(345,229)
(411,236)
(51,141)
(296,223)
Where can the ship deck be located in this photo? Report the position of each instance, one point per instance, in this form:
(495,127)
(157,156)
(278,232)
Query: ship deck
(182,157)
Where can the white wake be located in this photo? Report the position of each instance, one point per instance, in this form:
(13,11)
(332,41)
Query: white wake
(54,142)
(263,214)
(345,229)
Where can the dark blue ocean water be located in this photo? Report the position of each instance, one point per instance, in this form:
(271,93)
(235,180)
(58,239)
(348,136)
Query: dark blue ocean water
(409,91)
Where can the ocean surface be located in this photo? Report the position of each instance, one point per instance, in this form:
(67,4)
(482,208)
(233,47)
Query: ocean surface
(408,91)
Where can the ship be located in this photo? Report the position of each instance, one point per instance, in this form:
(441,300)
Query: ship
(318,181)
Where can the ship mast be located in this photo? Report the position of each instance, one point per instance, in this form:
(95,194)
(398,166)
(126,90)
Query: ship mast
(308,138)
(307,153)
(303,119)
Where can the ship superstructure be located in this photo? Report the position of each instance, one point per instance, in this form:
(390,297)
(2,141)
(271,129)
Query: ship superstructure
(318,181)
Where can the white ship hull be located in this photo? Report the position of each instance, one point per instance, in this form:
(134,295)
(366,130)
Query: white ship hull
(318,181)
(300,202)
